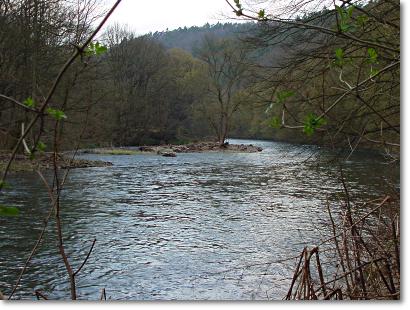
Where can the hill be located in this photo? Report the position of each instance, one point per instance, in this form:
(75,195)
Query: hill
(187,38)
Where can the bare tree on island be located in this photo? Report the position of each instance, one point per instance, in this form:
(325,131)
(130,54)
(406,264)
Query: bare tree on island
(227,73)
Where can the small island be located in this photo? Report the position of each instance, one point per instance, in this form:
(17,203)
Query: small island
(66,160)
(45,161)
(170,150)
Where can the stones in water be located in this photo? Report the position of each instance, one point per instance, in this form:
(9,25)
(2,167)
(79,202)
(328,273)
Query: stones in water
(166,153)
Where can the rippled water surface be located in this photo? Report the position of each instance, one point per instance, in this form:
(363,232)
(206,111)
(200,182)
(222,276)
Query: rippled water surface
(197,226)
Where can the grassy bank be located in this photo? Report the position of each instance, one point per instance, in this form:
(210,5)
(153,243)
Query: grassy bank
(45,161)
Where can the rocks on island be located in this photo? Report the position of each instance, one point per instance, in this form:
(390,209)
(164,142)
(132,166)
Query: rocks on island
(166,152)
(172,150)
(206,147)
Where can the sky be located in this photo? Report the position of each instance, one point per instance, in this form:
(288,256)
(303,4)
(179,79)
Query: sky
(145,16)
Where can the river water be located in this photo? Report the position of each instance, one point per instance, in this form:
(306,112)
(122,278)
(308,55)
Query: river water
(197,226)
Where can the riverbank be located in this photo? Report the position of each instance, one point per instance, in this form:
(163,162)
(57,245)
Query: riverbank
(45,161)
(172,150)
(65,161)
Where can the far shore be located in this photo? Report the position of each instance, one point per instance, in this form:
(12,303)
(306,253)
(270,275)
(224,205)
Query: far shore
(45,160)
(171,150)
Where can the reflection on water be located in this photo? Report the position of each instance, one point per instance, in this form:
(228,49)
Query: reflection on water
(198,226)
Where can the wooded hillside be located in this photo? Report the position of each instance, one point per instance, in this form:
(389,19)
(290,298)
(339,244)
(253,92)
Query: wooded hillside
(329,76)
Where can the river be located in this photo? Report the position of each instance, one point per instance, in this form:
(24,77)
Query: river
(197,226)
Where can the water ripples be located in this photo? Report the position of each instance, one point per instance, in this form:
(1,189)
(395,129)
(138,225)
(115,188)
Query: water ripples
(198,226)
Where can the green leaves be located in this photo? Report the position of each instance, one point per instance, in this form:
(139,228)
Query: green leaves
(373,72)
(361,20)
(57,114)
(29,102)
(261,15)
(372,56)
(372,59)
(281,96)
(312,122)
(275,122)
(95,49)
(339,57)
(239,6)
(41,146)
(345,16)
(339,54)
(9,211)
(349,11)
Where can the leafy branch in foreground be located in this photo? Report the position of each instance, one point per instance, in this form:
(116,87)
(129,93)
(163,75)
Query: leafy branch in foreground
(54,190)
(312,122)
(30,102)
(9,211)
(57,114)
(95,49)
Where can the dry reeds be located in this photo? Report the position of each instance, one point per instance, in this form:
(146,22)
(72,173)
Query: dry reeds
(362,256)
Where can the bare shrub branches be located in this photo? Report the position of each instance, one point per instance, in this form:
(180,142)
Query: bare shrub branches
(341,62)
(366,263)
(54,190)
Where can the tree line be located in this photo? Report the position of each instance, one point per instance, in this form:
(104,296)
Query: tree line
(126,90)
(270,78)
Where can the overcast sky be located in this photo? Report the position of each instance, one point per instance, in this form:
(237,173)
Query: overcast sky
(156,15)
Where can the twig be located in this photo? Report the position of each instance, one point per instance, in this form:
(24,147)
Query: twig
(387,198)
(342,261)
(85,260)
(37,244)
(315,27)
(103,295)
(53,89)
(55,201)
(40,295)
(350,272)
(18,103)
(295,275)
(337,292)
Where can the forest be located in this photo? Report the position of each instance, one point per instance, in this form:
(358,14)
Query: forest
(210,82)
(325,74)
